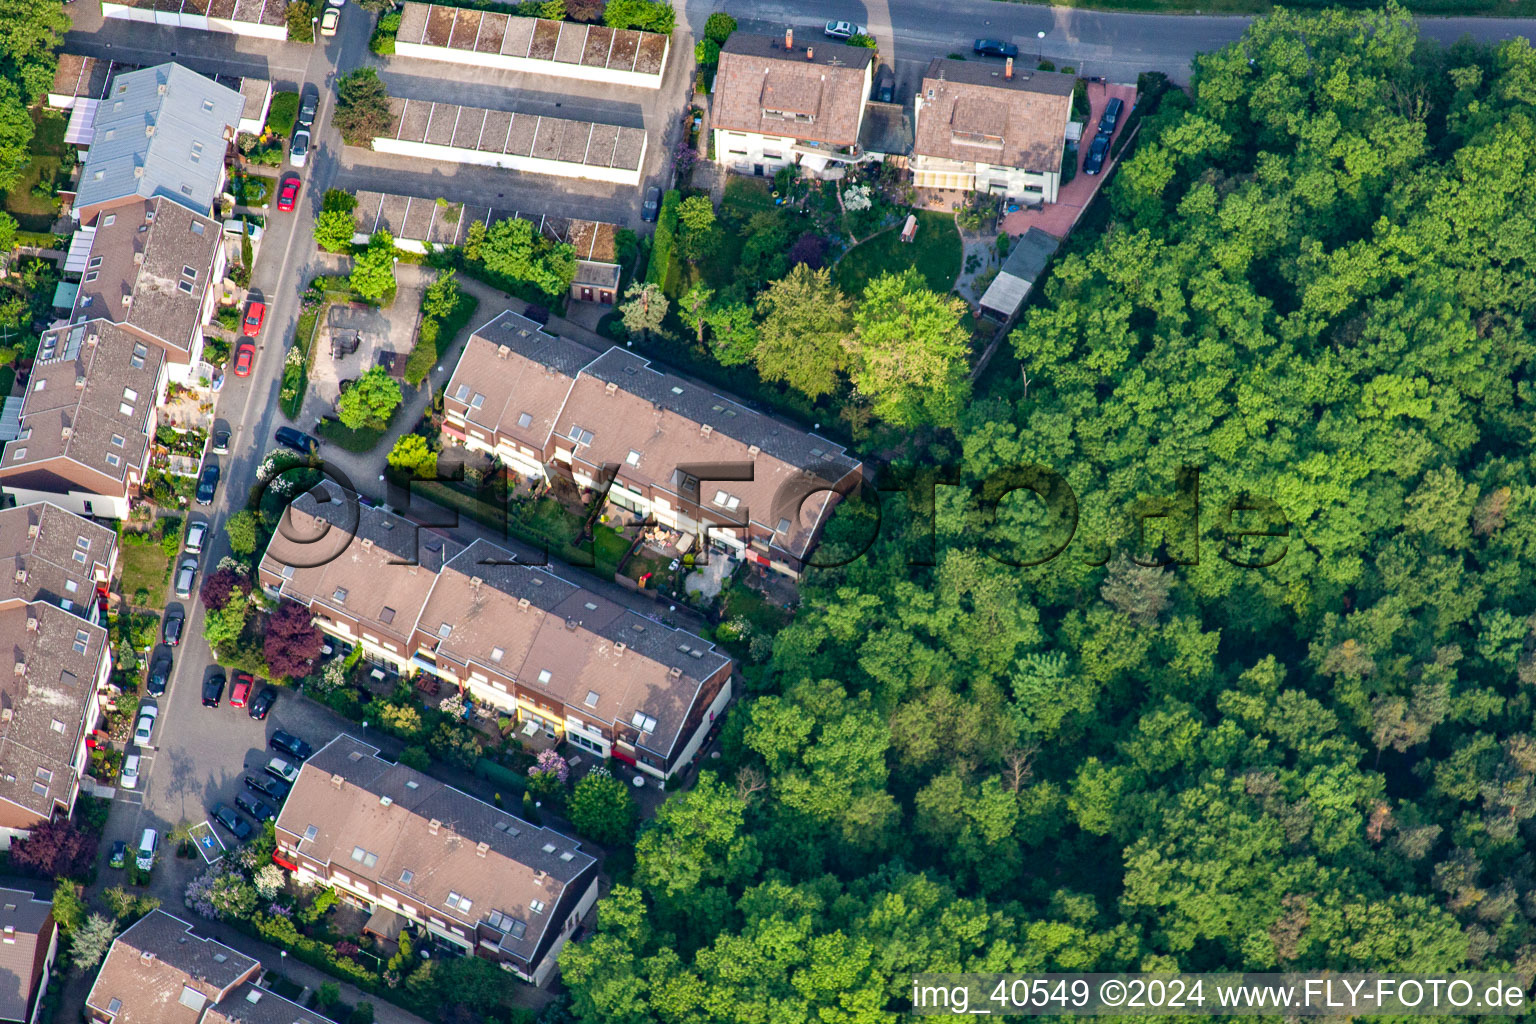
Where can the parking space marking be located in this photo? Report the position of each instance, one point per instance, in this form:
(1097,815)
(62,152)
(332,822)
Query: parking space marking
(208,843)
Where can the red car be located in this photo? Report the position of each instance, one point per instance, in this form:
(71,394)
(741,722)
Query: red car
(288,194)
(245,354)
(240,693)
(255,313)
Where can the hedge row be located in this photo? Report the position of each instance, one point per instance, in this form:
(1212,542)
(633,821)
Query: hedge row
(663,246)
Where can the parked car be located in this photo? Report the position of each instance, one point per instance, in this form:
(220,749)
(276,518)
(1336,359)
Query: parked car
(652,204)
(146,727)
(844,30)
(1111,116)
(296,440)
(149,844)
(220,445)
(208,483)
(245,355)
(994,48)
(195,534)
(298,150)
(282,770)
(170,632)
(885,85)
(240,693)
(119,856)
(186,573)
(159,676)
(268,786)
(291,745)
(129,777)
(236,226)
(254,807)
(226,816)
(309,104)
(255,313)
(288,193)
(213,688)
(262,703)
(1093,163)
(329,20)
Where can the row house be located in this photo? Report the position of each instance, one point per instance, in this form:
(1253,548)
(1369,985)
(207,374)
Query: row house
(404,846)
(775,105)
(28,949)
(87,421)
(564,660)
(55,556)
(49,703)
(161,971)
(660,445)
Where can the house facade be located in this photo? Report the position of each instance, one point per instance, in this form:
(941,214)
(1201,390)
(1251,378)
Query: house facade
(396,842)
(658,444)
(559,658)
(983,128)
(776,104)
(49,703)
(87,421)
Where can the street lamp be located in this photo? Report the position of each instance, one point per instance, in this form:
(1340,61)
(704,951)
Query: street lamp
(1040,47)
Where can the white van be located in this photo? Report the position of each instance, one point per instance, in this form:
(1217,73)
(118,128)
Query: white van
(147,847)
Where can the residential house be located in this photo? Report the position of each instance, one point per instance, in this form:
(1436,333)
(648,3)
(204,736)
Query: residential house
(55,556)
(401,844)
(87,421)
(560,658)
(984,128)
(775,104)
(159,132)
(49,703)
(151,270)
(29,942)
(659,444)
(161,971)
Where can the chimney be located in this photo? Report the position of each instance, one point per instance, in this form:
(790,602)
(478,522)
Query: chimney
(619,648)
(789,39)
(482,849)
(475,581)
(522,604)
(433,826)
(502,351)
(21,577)
(337,781)
(706,429)
(1008,68)
(367,544)
(810,53)
(611,388)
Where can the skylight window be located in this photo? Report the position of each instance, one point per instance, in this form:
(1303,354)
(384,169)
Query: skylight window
(580,435)
(340,595)
(525,420)
(462,393)
(444,630)
(643,722)
(544,676)
(310,832)
(497,654)
(477,401)
(537,906)
(407,876)
(592,698)
(633,458)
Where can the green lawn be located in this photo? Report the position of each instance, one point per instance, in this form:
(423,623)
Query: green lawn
(935,252)
(283,112)
(364,439)
(34,213)
(145,567)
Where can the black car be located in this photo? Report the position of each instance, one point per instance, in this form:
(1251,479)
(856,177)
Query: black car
(255,808)
(262,703)
(1093,163)
(995,48)
(296,440)
(159,676)
(226,816)
(1111,116)
(288,743)
(208,483)
(213,689)
(170,633)
(652,204)
(309,103)
(268,786)
(885,85)
(220,444)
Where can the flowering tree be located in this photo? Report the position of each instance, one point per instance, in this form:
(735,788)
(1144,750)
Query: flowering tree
(452,705)
(856,198)
(550,763)
(268,881)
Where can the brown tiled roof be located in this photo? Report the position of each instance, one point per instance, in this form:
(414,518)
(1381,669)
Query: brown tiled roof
(757,75)
(516,369)
(56,659)
(83,397)
(28,924)
(362,807)
(48,554)
(142,257)
(972,112)
(160,971)
(353,548)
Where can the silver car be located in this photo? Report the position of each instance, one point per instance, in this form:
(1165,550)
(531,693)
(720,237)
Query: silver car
(844,30)
(146,727)
(185,576)
(298,153)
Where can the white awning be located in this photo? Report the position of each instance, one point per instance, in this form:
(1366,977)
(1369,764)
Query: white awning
(82,123)
(814,163)
(79,251)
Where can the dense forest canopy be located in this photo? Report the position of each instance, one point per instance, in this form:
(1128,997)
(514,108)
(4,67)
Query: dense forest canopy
(1317,286)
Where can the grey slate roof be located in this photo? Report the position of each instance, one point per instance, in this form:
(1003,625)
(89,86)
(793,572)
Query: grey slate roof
(161,131)
(1026,262)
